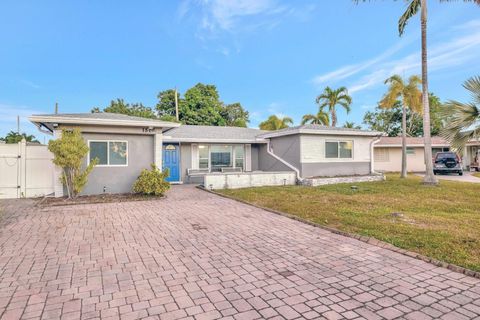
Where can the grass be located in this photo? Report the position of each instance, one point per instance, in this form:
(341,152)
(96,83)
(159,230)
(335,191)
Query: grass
(476,174)
(440,222)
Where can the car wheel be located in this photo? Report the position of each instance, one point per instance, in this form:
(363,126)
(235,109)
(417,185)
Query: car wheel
(460,173)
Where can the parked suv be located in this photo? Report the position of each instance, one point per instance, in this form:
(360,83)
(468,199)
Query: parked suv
(447,162)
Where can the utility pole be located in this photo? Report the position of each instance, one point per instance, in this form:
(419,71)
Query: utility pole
(56,107)
(176,105)
(18,124)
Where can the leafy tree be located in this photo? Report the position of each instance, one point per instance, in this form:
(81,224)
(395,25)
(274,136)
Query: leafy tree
(15,137)
(202,106)
(351,125)
(235,115)
(410,97)
(463,118)
(412,10)
(390,120)
(320,118)
(275,123)
(135,109)
(166,104)
(330,99)
(68,153)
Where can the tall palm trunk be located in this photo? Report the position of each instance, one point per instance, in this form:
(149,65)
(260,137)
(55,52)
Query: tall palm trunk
(429,176)
(404,142)
(334,117)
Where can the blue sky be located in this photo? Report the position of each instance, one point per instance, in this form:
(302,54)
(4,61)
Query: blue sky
(273,56)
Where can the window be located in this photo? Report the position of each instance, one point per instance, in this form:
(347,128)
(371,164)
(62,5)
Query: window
(109,153)
(203,157)
(215,157)
(410,150)
(436,150)
(382,154)
(339,149)
(220,157)
(239,156)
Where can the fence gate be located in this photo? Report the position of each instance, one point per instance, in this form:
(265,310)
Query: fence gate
(26,170)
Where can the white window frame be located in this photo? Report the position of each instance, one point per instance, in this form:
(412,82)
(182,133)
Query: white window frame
(338,149)
(108,153)
(208,157)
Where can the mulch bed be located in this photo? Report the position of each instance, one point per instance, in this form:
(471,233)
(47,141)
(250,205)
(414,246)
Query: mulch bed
(101,198)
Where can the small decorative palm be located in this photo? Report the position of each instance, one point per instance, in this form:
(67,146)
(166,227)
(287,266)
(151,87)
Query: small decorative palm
(463,118)
(275,123)
(331,98)
(321,118)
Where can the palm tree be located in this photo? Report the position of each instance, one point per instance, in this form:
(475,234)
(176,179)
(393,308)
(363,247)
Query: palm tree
(351,125)
(412,9)
(275,123)
(331,98)
(15,137)
(463,118)
(410,97)
(320,118)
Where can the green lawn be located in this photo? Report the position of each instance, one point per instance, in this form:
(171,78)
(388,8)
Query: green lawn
(476,174)
(441,222)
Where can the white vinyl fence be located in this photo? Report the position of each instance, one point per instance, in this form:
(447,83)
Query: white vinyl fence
(26,170)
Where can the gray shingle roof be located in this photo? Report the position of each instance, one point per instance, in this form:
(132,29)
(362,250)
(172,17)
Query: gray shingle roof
(98,115)
(191,132)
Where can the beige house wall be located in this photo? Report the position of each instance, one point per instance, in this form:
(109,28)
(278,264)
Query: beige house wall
(389,159)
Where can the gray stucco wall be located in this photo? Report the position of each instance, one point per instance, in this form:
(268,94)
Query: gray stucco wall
(332,169)
(120,179)
(287,148)
(185,160)
(255,151)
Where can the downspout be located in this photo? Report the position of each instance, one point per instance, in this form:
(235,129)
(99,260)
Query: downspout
(270,152)
(372,154)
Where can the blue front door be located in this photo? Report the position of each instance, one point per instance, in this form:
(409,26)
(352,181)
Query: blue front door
(171,161)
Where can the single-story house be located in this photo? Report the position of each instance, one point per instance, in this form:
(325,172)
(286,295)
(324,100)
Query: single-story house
(125,145)
(388,153)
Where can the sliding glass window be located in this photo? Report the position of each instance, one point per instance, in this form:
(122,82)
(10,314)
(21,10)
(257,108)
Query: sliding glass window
(220,157)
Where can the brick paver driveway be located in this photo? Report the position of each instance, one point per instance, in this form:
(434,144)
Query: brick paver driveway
(199,256)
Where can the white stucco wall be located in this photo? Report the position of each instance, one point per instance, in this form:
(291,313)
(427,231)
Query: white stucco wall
(248,179)
(313,148)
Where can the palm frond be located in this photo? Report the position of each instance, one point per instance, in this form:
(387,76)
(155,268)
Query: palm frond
(463,123)
(412,10)
(473,85)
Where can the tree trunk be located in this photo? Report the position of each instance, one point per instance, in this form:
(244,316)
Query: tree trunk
(334,117)
(404,142)
(429,176)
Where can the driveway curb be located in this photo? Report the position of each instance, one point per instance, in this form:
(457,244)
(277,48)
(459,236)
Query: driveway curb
(369,240)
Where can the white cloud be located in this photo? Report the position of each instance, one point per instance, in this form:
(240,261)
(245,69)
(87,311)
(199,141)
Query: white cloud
(224,13)
(456,51)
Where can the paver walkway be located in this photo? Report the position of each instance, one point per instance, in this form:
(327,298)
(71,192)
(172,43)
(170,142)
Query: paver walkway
(195,255)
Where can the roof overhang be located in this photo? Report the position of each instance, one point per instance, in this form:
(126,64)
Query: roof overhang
(275,134)
(50,123)
(409,145)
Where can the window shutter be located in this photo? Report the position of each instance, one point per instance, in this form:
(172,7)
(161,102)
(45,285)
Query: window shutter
(194,156)
(248,157)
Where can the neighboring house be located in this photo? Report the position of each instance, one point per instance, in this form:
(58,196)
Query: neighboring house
(125,145)
(388,153)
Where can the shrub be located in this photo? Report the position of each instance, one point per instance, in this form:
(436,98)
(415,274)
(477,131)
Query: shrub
(68,153)
(152,182)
